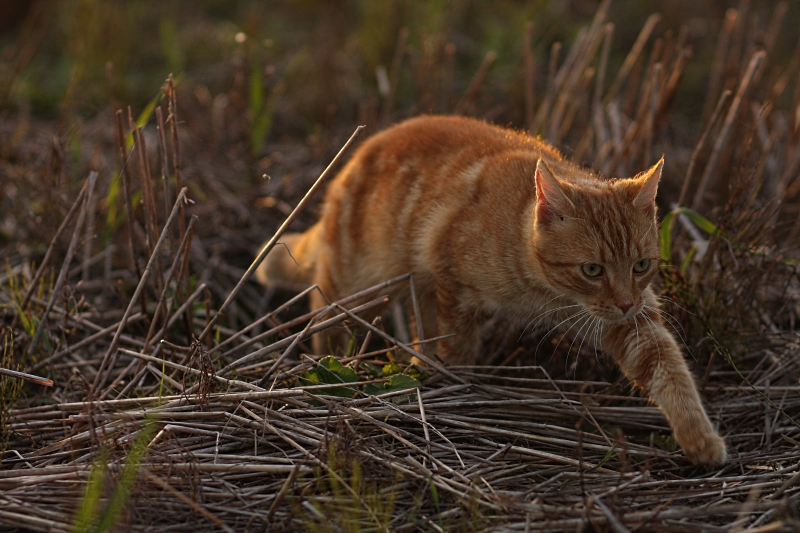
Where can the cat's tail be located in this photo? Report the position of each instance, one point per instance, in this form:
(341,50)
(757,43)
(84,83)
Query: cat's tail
(290,264)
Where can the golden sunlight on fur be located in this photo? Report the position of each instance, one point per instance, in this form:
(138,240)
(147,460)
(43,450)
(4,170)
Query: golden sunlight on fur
(492,221)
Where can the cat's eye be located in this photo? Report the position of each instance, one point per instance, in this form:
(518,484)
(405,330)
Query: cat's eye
(592,270)
(641,265)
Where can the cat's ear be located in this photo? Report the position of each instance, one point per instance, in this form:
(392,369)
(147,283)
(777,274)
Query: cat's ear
(551,202)
(646,197)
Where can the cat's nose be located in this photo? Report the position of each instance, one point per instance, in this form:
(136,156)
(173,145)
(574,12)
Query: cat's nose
(624,306)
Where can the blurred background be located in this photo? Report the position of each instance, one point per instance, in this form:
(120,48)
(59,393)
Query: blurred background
(252,74)
(317,59)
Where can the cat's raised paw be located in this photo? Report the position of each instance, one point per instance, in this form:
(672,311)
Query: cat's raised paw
(706,450)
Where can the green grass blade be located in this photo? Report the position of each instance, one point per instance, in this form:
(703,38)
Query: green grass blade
(144,116)
(113,218)
(121,495)
(666,236)
(86,518)
(91,498)
(256,96)
(147,112)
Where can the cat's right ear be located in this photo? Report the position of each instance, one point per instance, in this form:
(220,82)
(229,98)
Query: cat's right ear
(551,202)
(648,181)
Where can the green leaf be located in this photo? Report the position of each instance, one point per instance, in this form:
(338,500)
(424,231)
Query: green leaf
(343,374)
(46,340)
(391,369)
(170,44)
(122,491)
(669,220)
(398,382)
(401,382)
(331,372)
(665,443)
(699,220)
(351,348)
(414,372)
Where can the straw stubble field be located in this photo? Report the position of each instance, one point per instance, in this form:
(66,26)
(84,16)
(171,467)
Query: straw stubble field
(185,397)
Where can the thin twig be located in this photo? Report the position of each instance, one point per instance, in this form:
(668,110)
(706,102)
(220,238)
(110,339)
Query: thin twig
(527,54)
(271,243)
(62,275)
(438,366)
(475,85)
(632,57)
(126,189)
(172,273)
(28,377)
(109,356)
(45,260)
(701,144)
(727,126)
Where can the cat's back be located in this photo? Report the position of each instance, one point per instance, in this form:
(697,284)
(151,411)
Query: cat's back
(437,157)
(431,141)
(407,188)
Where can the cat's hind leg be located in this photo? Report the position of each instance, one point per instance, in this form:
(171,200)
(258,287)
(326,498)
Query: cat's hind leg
(427,321)
(334,338)
(455,316)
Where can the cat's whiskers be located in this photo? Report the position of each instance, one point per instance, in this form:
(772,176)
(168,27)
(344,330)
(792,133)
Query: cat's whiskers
(575,323)
(544,305)
(598,337)
(670,301)
(669,319)
(569,350)
(556,297)
(538,317)
(653,327)
(592,323)
(672,321)
(579,313)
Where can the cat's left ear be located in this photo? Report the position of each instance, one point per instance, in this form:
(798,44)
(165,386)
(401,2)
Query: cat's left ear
(646,197)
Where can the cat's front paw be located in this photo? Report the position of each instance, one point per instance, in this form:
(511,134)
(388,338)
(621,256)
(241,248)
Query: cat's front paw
(707,449)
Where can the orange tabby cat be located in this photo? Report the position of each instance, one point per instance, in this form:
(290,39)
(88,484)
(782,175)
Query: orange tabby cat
(491,221)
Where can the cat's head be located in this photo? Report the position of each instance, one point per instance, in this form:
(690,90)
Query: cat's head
(597,240)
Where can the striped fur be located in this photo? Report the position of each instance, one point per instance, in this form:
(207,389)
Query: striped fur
(491,221)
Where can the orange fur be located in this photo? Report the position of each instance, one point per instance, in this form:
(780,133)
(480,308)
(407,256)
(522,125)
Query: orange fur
(491,221)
